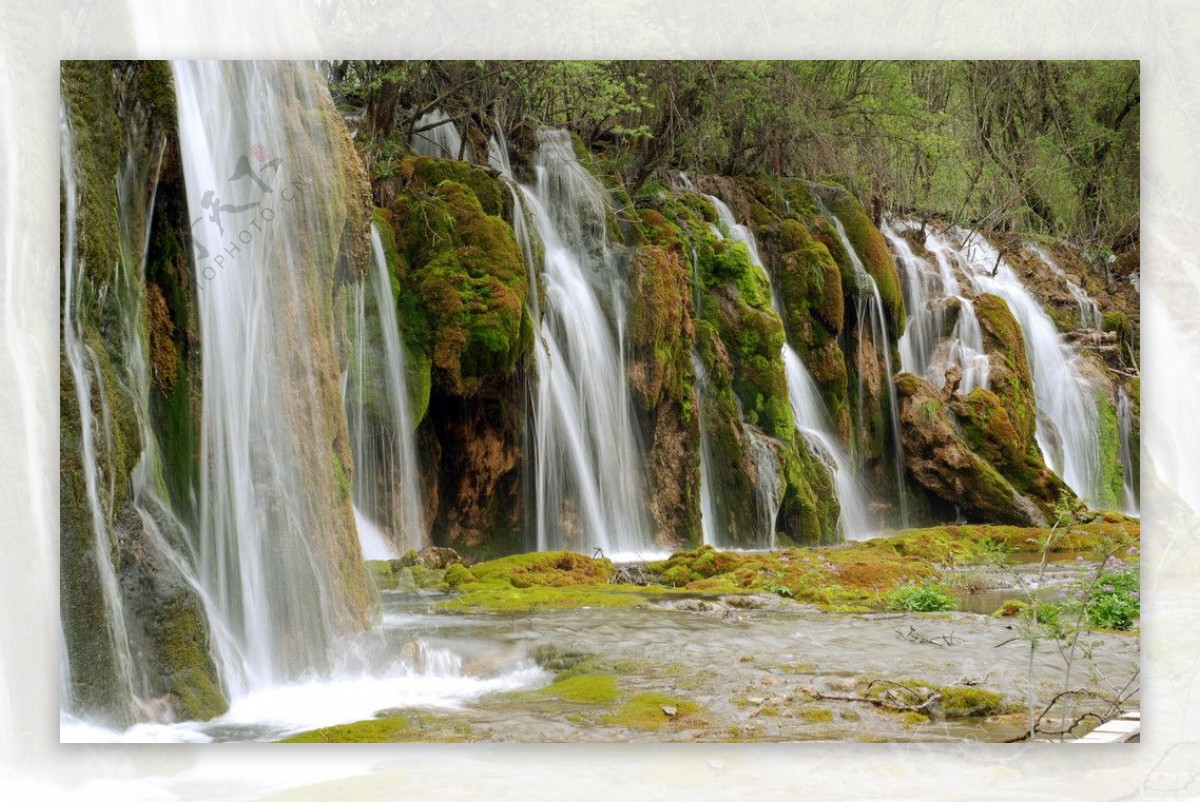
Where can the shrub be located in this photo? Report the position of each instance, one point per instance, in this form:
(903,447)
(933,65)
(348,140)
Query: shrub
(1115,600)
(927,597)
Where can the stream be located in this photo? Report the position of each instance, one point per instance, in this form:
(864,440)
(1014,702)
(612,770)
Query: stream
(745,668)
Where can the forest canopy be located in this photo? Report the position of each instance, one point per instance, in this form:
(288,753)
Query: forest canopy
(1049,146)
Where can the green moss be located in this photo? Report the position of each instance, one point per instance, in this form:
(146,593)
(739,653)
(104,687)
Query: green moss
(591,689)
(340,479)
(424,174)
(871,247)
(815,714)
(466,284)
(1112,471)
(645,712)
(458,575)
(395,728)
(187,663)
(970,701)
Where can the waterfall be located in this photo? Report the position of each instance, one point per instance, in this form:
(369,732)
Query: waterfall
(869,312)
(587,467)
(813,422)
(932,296)
(1068,420)
(1131,490)
(275,515)
(768,487)
(1089,310)
(709,526)
(388,506)
(439,139)
(812,419)
(85,369)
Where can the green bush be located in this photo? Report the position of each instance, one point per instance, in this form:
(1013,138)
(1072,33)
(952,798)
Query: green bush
(1115,600)
(927,597)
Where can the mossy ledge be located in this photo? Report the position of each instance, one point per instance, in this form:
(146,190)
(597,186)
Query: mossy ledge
(850,575)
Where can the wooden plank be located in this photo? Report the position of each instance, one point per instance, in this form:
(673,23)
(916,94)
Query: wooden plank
(1126,728)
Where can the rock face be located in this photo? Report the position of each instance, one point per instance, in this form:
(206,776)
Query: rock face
(939,458)
(462,298)
(661,335)
(161,614)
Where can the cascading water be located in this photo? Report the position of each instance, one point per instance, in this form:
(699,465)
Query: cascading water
(273,516)
(1131,489)
(810,414)
(436,135)
(387,493)
(932,295)
(1089,310)
(1068,419)
(870,313)
(587,461)
(85,369)
(709,515)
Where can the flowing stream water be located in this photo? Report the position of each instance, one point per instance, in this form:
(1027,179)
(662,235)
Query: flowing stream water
(436,135)
(870,313)
(1089,310)
(269,525)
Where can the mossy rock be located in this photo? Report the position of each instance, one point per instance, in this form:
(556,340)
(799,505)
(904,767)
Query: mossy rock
(987,429)
(1010,377)
(941,460)
(424,174)
(871,247)
(469,281)
(187,663)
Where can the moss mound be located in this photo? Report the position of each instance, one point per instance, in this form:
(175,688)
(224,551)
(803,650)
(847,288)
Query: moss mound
(467,281)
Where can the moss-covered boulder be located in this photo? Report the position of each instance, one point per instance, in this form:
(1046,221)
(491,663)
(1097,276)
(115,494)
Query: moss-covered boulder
(939,459)
(466,273)
(987,429)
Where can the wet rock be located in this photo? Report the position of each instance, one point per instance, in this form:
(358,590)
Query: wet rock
(937,456)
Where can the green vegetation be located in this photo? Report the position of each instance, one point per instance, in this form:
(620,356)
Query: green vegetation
(1049,145)
(920,598)
(397,727)
(898,571)
(652,711)
(1113,602)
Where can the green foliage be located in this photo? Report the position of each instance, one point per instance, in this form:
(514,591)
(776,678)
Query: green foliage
(1053,144)
(1114,602)
(920,598)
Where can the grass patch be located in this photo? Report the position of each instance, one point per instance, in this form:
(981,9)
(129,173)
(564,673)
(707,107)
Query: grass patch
(648,711)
